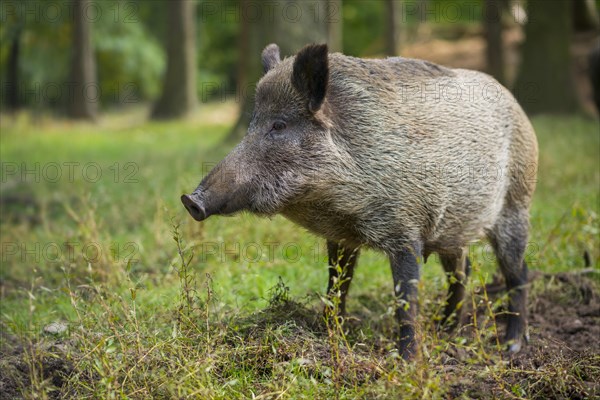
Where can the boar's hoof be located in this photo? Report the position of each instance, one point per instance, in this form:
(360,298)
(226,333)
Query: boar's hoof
(515,347)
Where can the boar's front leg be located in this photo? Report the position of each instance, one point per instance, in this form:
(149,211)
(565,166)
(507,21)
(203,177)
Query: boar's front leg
(342,258)
(405,271)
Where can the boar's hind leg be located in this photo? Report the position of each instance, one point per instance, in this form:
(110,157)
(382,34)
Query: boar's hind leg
(457,266)
(405,271)
(340,258)
(509,239)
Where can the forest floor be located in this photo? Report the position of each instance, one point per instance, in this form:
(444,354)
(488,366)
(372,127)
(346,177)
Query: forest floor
(269,353)
(100,298)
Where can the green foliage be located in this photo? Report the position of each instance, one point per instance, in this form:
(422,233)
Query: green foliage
(363,27)
(130,62)
(218,48)
(45,51)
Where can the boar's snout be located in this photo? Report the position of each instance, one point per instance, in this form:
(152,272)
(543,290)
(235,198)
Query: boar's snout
(194,205)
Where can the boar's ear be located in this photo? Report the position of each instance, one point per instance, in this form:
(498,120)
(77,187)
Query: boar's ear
(270,57)
(311,73)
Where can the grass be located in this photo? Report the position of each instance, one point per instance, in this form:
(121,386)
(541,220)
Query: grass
(157,305)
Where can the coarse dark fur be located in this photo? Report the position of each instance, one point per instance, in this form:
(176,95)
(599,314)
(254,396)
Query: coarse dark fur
(399,155)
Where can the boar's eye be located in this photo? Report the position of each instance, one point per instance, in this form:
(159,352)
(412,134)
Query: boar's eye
(278,126)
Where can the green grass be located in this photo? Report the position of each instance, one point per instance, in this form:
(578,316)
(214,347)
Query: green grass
(242,317)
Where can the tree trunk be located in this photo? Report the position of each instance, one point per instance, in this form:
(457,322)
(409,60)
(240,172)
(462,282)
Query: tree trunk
(179,95)
(585,15)
(492,20)
(392,27)
(335,21)
(594,75)
(545,83)
(12,73)
(251,38)
(83,103)
(291,24)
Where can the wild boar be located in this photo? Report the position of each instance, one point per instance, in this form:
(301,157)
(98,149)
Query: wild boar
(400,155)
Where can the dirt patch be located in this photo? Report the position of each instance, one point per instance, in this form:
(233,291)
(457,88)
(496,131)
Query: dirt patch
(565,339)
(562,358)
(32,367)
(299,339)
(568,313)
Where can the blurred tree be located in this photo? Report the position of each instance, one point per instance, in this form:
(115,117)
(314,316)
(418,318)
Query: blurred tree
(392,27)
(251,40)
(492,21)
(585,15)
(179,96)
(129,55)
(86,92)
(289,23)
(544,83)
(335,20)
(218,48)
(11,85)
(37,50)
(594,75)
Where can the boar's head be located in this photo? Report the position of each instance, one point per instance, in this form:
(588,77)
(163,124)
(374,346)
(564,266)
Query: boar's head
(278,161)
